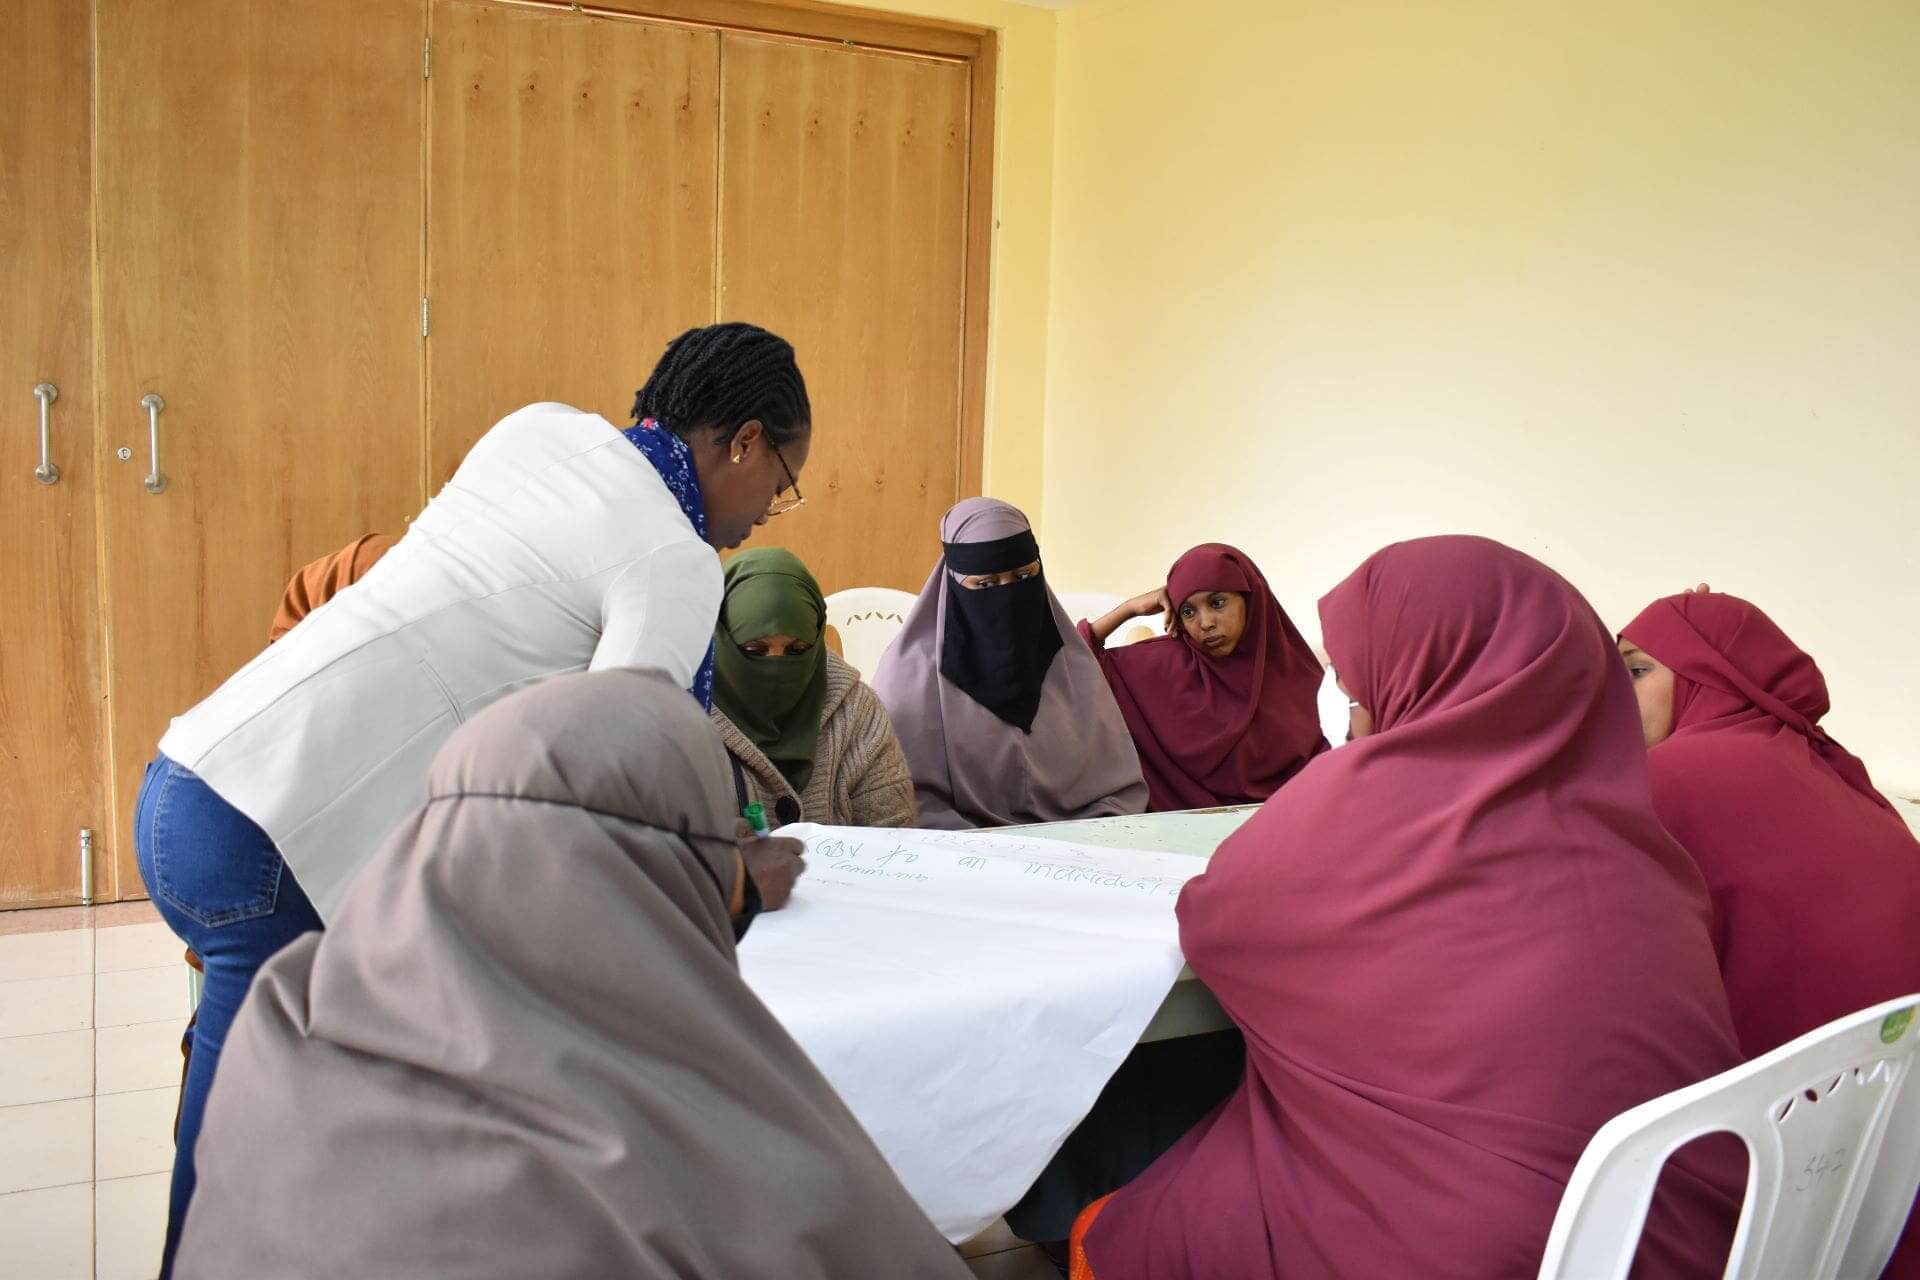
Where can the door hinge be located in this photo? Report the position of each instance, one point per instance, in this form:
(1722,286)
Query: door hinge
(426,60)
(426,315)
(86,866)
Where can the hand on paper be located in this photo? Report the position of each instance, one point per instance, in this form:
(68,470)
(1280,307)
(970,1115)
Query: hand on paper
(774,862)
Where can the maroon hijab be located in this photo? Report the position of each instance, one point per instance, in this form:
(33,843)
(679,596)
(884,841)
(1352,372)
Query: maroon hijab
(1456,948)
(1815,879)
(1219,730)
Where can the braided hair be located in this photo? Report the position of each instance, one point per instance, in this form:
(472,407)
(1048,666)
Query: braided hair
(722,376)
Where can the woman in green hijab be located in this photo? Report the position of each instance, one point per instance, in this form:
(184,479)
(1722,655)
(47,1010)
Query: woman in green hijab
(808,739)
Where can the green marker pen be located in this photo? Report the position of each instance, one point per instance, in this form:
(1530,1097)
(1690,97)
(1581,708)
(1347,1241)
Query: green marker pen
(756,816)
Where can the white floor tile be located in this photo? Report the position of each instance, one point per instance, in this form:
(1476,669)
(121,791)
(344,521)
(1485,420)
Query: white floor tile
(1018,1264)
(130,1226)
(46,1068)
(140,995)
(145,1055)
(136,946)
(37,1006)
(47,1144)
(57,953)
(133,1132)
(48,1234)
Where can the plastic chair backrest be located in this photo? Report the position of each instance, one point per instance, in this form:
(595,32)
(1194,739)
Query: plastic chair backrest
(1089,605)
(1135,631)
(867,619)
(1095,605)
(1908,808)
(1334,717)
(1827,1194)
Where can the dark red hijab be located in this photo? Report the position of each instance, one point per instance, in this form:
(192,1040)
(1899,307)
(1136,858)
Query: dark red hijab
(1815,878)
(1219,730)
(1456,948)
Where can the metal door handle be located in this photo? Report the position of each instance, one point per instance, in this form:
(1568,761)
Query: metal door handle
(46,473)
(153,404)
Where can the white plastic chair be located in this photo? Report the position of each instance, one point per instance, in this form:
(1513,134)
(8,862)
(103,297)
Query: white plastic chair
(1090,605)
(1827,1194)
(1908,808)
(1335,719)
(1095,605)
(867,619)
(1136,630)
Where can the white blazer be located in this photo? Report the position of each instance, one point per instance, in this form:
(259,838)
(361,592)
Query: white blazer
(556,547)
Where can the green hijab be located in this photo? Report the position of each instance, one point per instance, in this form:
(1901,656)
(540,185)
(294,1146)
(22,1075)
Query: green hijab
(775,702)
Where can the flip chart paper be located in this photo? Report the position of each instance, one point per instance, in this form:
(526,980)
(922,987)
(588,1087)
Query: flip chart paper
(968,994)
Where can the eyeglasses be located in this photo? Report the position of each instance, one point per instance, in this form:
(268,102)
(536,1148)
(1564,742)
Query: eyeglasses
(784,502)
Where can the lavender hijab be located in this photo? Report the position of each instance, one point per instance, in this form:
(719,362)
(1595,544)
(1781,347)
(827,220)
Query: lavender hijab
(973,768)
(524,1047)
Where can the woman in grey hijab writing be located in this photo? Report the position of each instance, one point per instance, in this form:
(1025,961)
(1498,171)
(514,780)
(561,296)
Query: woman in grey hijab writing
(524,1047)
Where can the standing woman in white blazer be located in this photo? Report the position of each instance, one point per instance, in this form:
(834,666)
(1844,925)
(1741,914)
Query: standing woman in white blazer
(562,543)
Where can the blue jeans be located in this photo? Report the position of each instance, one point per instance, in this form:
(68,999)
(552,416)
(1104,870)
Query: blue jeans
(220,884)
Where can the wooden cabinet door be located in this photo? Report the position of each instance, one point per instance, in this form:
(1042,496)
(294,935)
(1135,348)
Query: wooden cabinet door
(259,220)
(51,774)
(843,210)
(571,198)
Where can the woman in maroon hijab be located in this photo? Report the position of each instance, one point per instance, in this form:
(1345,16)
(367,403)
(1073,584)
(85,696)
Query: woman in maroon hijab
(1815,879)
(1223,709)
(1456,948)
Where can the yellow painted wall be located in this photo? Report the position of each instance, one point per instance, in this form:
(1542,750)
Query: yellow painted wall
(1634,286)
(1023,210)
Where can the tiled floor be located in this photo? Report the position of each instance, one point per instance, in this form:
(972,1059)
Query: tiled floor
(92,1004)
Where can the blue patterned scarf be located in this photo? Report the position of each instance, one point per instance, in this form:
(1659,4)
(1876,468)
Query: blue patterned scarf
(672,458)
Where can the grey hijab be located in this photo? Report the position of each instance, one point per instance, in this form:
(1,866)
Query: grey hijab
(524,1048)
(971,768)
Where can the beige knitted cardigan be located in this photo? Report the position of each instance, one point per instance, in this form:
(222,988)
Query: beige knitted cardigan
(860,777)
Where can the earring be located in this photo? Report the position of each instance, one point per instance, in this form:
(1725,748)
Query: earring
(738,457)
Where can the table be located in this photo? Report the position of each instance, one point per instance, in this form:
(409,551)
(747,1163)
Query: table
(1197,832)
(1189,1009)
